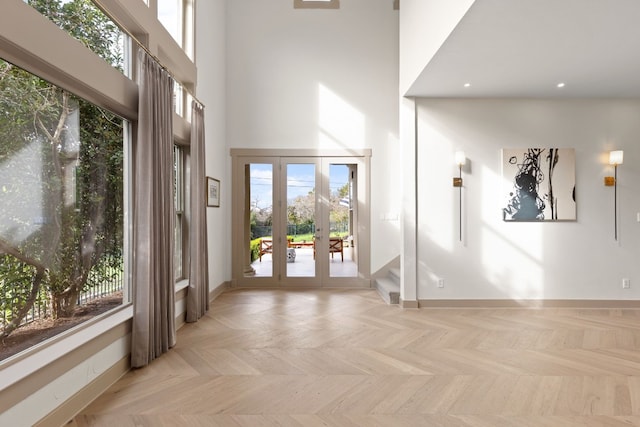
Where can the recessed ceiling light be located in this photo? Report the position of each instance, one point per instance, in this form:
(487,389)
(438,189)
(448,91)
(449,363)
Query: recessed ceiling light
(560,85)
(467,85)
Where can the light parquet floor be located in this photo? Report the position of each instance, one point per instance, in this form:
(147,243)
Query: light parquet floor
(344,358)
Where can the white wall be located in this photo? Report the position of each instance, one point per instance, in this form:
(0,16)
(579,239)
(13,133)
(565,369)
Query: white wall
(210,59)
(424,27)
(562,260)
(320,79)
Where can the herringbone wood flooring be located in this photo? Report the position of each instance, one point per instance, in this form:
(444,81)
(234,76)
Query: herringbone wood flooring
(344,358)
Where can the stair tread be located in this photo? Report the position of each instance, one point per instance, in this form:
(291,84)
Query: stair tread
(388,284)
(388,289)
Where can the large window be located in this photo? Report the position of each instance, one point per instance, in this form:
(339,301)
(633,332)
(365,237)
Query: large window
(61,209)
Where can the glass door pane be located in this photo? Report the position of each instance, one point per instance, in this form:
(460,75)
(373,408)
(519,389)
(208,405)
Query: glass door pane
(342,220)
(300,221)
(259,218)
(301,209)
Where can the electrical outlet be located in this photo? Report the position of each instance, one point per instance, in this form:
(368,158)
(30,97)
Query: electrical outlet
(626,283)
(441,283)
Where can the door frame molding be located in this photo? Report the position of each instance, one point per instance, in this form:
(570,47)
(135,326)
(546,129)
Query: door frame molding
(239,157)
(300,152)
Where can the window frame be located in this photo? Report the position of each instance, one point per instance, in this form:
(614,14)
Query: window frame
(58,58)
(126,147)
(180,204)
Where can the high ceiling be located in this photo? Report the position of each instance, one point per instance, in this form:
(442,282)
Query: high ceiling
(525,48)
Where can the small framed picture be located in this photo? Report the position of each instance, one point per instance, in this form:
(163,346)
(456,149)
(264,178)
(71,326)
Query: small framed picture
(213,192)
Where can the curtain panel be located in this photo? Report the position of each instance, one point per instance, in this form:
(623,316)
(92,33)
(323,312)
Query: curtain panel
(153,216)
(198,291)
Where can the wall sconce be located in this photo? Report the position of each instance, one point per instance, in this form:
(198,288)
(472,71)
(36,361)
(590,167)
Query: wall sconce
(460,160)
(615,159)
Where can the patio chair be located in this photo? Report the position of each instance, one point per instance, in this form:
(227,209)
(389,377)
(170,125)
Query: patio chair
(266,247)
(336,245)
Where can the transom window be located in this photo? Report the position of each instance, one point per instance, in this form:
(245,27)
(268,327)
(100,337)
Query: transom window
(177,17)
(170,15)
(82,20)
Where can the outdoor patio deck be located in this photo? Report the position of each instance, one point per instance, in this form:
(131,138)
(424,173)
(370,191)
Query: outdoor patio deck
(304,265)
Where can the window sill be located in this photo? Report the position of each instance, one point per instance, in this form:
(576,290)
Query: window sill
(16,368)
(182,284)
(22,365)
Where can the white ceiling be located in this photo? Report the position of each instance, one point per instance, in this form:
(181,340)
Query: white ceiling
(524,48)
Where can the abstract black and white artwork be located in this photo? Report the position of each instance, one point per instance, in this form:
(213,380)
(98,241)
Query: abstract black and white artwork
(540,184)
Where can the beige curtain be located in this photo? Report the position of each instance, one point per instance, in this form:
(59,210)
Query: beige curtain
(153,216)
(198,292)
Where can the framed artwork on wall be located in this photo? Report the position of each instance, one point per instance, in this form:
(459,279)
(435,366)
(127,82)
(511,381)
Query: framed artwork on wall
(213,192)
(540,184)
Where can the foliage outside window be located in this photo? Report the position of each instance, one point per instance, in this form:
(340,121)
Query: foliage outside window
(61,187)
(301,210)
(301,216)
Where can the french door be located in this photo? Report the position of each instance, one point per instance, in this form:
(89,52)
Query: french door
(300,221)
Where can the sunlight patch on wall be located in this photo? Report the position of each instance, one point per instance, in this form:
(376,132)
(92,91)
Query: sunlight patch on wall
(524,235)
(341,124)
(491,200)
(510,268)
(438,212)
(512,253)
(391,186)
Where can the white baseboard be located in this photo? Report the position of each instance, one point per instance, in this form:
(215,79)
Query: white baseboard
(510,303)
(218,290)
(73,406)
(409,304)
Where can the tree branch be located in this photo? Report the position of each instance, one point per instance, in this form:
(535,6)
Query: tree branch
(8,248)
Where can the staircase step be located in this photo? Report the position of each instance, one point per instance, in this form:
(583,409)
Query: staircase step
(388,290)
(394,274)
